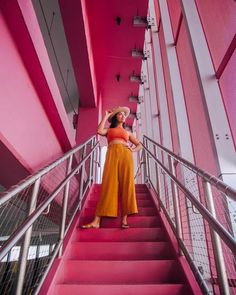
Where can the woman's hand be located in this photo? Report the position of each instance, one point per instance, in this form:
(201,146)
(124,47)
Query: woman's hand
(134,141)
(129,147)
(107,113)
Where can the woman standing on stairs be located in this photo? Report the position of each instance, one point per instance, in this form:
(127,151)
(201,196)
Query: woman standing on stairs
(118,172)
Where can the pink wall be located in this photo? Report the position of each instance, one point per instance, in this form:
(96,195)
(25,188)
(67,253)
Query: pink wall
(27,134)
(171,108)
(228,88)
(10,165)
(75,22)
(22,118)
(175,13)
(221,40)
(197,118)
(219,23)
(87,124)
(65,135)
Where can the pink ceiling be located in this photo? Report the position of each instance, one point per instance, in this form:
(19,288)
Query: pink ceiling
(111,46)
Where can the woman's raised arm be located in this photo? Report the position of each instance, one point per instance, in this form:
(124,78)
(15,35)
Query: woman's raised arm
(101,127)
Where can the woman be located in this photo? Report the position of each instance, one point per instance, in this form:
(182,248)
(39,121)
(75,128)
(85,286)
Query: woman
(118,172)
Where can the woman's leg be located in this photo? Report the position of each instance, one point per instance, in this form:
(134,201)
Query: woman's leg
(126,184)
(108,199)
(94,224)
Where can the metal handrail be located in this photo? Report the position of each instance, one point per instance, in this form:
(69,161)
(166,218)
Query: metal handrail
(224,188)
(25,229)
(20,231)
(222,232)
(6,196)
(218,232)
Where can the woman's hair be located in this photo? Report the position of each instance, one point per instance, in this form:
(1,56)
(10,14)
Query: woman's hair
(114,122)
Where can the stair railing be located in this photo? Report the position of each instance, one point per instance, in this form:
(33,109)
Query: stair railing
(199,208)
(36,214)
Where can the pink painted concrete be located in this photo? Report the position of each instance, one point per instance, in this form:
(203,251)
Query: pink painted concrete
(31,22)
(24,123)
(112,45)
(197,117)
(22,41)
(110,257)
(87,124)
(175,13)
(10,166)
(228,88)
(171,109)
(78,38)
(219,23)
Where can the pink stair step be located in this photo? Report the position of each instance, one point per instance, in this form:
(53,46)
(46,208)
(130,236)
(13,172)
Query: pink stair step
(114,261)
(133,221)
(121,235)
(147,289)
(139,196)
(140,203)
(121,251)
(121,272)
(141,211)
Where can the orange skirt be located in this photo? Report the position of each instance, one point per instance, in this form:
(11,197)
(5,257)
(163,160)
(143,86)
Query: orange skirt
(118,176)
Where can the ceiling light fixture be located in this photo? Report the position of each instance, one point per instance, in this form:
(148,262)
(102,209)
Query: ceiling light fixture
(118,77)
(136,78)
(138,54)
(135,98)
(118,20)
(140,21)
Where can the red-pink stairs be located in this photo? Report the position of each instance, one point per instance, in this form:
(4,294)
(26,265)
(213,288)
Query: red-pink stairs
(115,261)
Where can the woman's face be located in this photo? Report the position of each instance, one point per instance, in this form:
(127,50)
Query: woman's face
(120,117)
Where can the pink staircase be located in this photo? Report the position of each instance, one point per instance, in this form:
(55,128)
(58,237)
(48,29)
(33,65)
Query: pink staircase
(115,261)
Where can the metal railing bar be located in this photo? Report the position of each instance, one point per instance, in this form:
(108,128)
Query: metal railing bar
(32,178)
(229,191)
(56,250)
(196,271)
(20,231)
(59,244)
(226,237)
(76,209)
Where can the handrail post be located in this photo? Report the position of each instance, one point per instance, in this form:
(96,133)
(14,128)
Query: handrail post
(148,166)
(82,175)
(158,179)
(217,248)
(147,171)
(176,203)
(26,243)
(91,164)
(100,163)
(145,163)
(64,206)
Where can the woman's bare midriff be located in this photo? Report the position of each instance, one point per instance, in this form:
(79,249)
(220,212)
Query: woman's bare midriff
(116,141)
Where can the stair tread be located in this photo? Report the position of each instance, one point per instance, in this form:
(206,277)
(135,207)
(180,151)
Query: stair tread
(109,272)
(142,203)
(117,289)
(121,251)
(118,234)
(143,211)
(134,221)
(113,261)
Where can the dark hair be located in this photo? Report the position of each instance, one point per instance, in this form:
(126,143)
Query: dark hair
(114,122)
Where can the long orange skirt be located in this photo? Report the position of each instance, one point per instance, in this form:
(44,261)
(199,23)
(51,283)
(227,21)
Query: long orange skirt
(118,176)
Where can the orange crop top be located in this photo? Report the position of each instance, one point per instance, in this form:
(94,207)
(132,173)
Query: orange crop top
(117,133)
